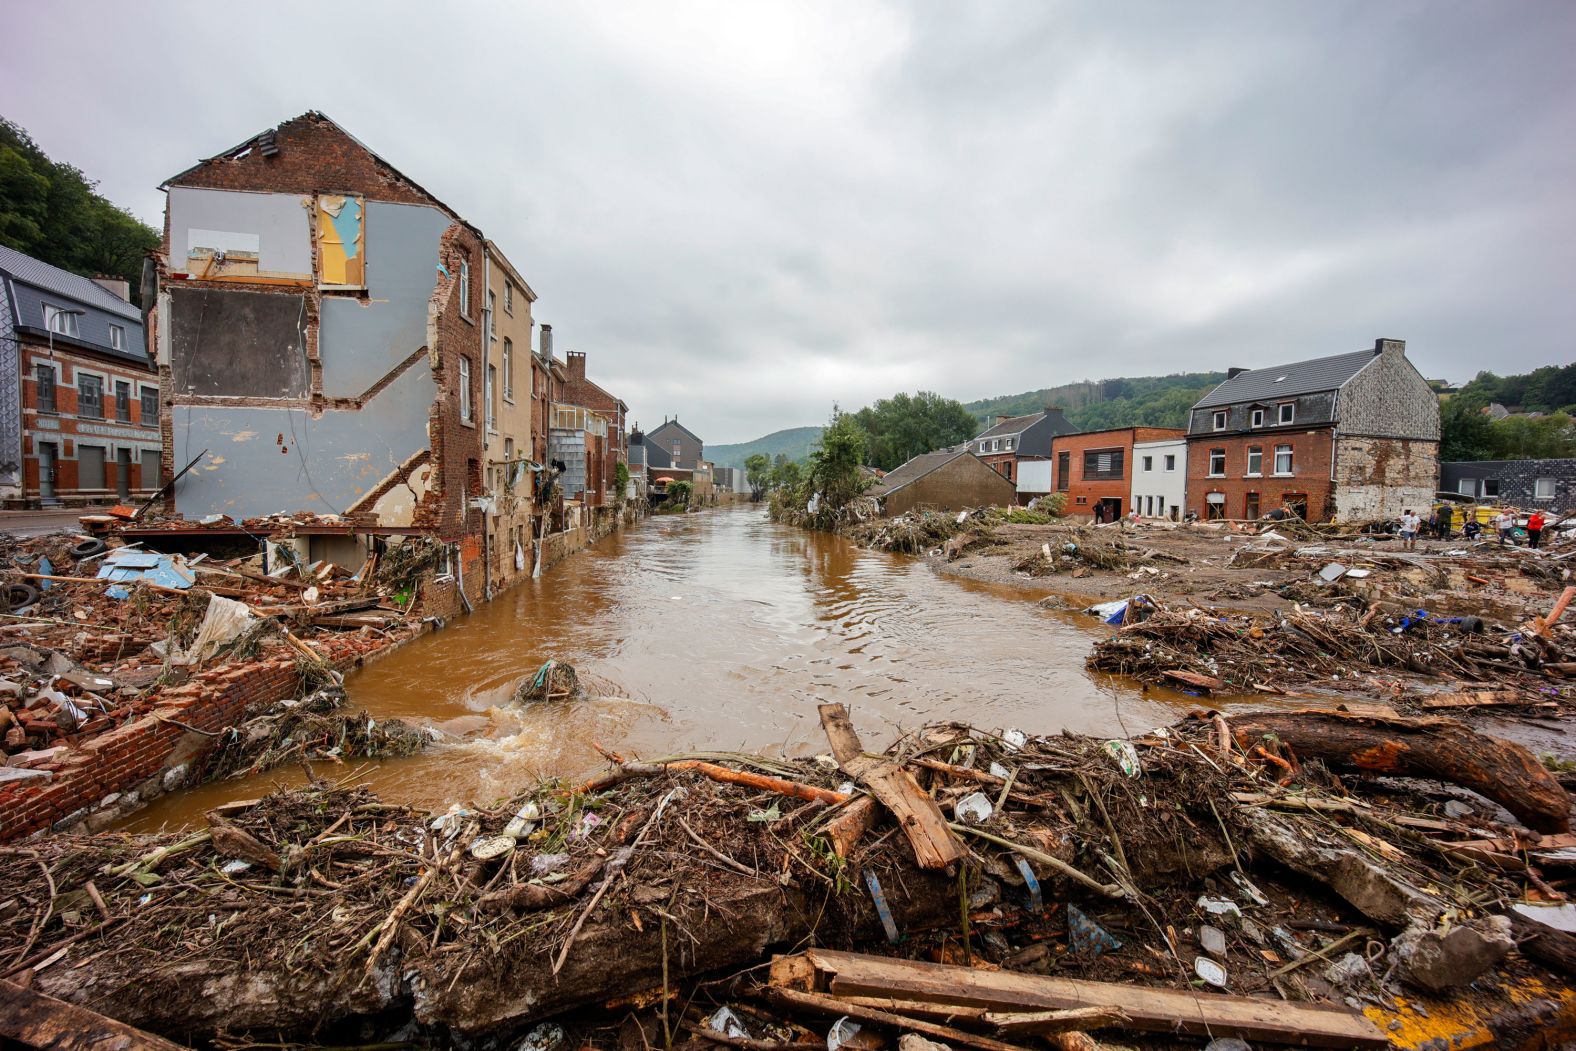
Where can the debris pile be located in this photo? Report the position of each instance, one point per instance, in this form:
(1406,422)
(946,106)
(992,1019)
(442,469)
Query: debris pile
(968,887)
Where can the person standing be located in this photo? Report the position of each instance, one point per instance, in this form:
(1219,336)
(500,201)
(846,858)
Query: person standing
(1446,518)
(1534,528)
(1410,524)
(1505,522)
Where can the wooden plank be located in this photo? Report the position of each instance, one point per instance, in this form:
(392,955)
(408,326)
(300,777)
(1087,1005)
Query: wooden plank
(834,1007)
(40,1021)
(1475,699)
(935,845)
(1149,1009)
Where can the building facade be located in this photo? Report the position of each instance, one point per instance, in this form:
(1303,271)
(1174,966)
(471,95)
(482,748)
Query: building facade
(506,397)
(321,345)
(1348,437)
(1013,441)
(948,480)
(1531,485)
(1095,468)
(1160,478)
(79,397)
(578,390)
(682,446)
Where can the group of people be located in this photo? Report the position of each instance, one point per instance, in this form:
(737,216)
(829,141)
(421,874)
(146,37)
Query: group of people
(1441,519)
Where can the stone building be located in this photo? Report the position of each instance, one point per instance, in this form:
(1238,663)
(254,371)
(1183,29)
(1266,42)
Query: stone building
(321,343)
(79,397)
(1348,437)
(1542,485)
(506,443)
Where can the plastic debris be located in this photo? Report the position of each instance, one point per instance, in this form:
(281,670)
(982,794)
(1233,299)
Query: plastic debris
(545,864)
(1248,888)
(1125,756)
(727,1023)
(1086,936)
(1030,883)
(546,1037)
(973,809)
(1221,907)
(1332,572)
(230,868)
(1213,941)
(524,820)
(1212,972)
(882,909)
(1014,739)
(997,770)
(843,1030)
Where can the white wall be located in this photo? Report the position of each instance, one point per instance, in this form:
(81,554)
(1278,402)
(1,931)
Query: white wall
(1156,490)
(1034,476)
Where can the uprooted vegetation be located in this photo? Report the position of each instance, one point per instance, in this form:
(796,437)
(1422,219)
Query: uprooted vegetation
(1213,853)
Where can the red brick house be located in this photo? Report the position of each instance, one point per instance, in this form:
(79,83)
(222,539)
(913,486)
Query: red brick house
(578,390)
(1094,468)
(1014,440)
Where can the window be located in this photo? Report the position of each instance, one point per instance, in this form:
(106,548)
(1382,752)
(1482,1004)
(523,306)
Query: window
(465,390)
(508,364)
(1103,464)
(1214,506)
(465,288)
(508,296)
(1543,489)
(1220,420)
(122,401)
(58,319)
(982,446)
(1467,487)
(1149,464)
(676,447)
(1171,462)
(46,388)
(1288,411)
(150,406)
(1063,469)
(1008,446)
(1149,505)
(1255,460)
(1283,459)
(1250,506)
(1491,487)
(488,392)
(90,400)
(508,454)
(1217,463)
(117,337)
(492,308)
(995,445)
(1160,506)
(90,466)
(1258,417)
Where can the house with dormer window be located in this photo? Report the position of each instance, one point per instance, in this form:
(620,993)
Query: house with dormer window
(1012,443)
(1350,437)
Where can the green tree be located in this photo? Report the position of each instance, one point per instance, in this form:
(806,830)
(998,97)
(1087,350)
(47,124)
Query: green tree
(758,472)
(786,473)
(1464,432)
(51,211)
(903,426)
(836,475)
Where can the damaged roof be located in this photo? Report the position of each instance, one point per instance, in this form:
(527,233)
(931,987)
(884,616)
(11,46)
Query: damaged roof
(1285,381)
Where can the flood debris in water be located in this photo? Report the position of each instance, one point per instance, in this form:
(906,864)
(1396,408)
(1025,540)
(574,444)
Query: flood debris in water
(555,680)
(1330,911)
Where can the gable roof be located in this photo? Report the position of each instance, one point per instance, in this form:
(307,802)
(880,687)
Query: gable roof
(1284,381)
(915,469)
(1018,424)
(41,275)
(674,423)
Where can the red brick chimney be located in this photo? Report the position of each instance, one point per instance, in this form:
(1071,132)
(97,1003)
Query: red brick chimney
(577,364)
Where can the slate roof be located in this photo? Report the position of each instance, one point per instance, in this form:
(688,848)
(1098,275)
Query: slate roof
(86,293)
(673,423)
(1284,381)
(1013,425)
(916,469)
(28,285)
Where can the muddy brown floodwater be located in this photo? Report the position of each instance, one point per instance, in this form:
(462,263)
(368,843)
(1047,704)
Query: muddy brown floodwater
(717,631)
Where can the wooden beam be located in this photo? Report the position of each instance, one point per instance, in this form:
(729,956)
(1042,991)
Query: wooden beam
(935,845)
(1148,1009)
(40,1021)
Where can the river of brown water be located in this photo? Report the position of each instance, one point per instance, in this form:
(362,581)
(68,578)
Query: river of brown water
(716,631)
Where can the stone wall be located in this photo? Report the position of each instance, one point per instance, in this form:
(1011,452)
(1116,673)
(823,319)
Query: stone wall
(1381,477)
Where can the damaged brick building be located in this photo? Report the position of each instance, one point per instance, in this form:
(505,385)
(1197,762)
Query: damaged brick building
(1348,437)
(333,345)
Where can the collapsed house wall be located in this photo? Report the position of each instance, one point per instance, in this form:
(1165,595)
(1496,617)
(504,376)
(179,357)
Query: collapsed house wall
(1381,477)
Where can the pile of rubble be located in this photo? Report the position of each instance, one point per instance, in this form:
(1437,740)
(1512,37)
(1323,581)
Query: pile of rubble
(1225,880)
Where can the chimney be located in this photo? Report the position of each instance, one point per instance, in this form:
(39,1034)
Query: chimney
(116,286)
(577,364)
(1233,373)
(1001,420)
(1382,345)
(546,342)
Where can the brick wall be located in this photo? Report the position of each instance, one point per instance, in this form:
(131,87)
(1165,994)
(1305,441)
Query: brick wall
(1309,480)
(111,774)
(1382,477)
(1084,494)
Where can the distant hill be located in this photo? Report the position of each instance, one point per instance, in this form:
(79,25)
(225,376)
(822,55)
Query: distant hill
(795,443)
(1147,401)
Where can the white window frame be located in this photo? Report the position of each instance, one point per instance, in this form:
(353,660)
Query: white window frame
(1258,418)
(117,337)
(1467,487)
(1255,452)
(1171,461)
(465,288)
(53,314)
(1291,467)
(995,445)
(1287,412)
(466,409)
(982,446)
(1538,492)
(1149,464)
(508,370)
(492,310)
(489,392)
(1219,420)
(1008,446)
(1213,472)
(508,297)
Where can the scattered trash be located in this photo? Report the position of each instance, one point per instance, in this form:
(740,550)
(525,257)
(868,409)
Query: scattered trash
(724,1021)
(1213,941)
(882,908)
(974,808)
(1084,935)
(1125,756)
(1212,972)
(843,1030)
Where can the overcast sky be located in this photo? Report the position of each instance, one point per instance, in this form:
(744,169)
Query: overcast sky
(744,212)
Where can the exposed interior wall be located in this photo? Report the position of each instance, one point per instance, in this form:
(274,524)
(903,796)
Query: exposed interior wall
(218,235)
(1381,477)
(225,342)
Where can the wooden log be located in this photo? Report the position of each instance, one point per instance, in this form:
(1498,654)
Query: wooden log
(1475,699)
(1548,945)
(849,827)
(935,845)
(35,1020)
(1431,747)
(835,1007)
(1148,1009)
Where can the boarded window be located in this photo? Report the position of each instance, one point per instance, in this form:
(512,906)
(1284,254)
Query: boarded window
(150,468)
(1103,464)
(90,466)
(341,236)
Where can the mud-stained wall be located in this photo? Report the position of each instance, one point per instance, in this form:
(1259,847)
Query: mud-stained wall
(1381,477)
(228,343)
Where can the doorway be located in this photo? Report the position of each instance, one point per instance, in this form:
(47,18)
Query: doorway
(123,474)
(48,454)
(1250,507)
(1111,509)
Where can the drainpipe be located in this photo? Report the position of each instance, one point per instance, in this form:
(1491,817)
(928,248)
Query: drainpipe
(487,317)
